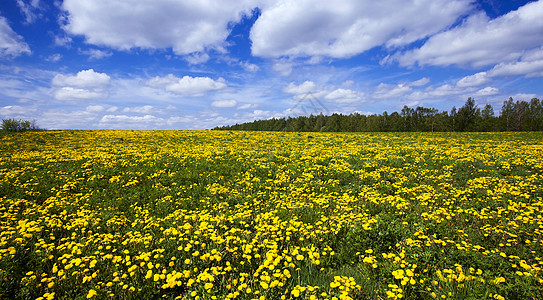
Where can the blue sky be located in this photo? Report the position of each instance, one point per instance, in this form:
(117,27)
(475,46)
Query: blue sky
(167,64)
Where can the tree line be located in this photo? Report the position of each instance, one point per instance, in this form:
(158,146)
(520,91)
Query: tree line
(514,116)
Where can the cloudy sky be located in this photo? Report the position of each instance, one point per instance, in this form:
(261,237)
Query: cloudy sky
(182,64)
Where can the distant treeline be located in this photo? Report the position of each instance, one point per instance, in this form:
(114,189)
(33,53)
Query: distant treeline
(514,116)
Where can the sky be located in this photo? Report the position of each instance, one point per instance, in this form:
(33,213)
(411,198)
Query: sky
(180,64)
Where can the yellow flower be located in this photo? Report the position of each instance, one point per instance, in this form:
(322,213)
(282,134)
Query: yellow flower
(91,294)
(208,285)
(499,280)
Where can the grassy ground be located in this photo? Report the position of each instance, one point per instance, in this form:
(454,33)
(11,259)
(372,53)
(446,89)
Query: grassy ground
(214,215)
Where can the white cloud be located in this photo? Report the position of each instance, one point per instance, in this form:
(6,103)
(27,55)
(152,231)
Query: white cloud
(17,112)
(146,109)
(191,86)
(314,60)
(480,41)
(284,67)
(524,97)
(530,65)
(11,44)
(247,106)
(344,96)
(346,28)
(487,91)
(61,119)
(95,108)
(347,83)
(249,67)
(69,93)
(30,9)
(85,85)
(83,79)
(133,122)
(437,93)
(304,88)
(54,57)
(197,58)
(224,103)
(62,41)
(96,54)
(185,26)
(390,91)
(420,82)
(474,80)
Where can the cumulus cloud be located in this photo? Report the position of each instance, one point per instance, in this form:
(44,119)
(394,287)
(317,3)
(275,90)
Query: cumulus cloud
(525,97)
(480,41)
(308,90)
(344,96)
(530,65)
(11,44)
(474,80)
(185,26)
(70,93)
(487,91)
(347,83)
(249,67)
(63,119)
(197,58)
(247,106)
(146,109)
(284,67)
(30,9)
(190,86)
(224,103)
(438,92)
(54,57)
(17,111)
(389,91)
(304,88)
(135,122)
(420,82)
(83,79)
(96,54)
(85,85)
(328,28)
(95,108)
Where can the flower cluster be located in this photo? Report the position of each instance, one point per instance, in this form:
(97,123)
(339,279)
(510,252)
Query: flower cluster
(256,215)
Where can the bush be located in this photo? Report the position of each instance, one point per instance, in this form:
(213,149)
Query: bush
(12,125)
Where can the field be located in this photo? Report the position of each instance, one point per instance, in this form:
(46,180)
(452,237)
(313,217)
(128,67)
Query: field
(217,215)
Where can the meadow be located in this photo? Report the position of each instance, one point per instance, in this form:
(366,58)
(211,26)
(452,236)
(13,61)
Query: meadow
(270,215)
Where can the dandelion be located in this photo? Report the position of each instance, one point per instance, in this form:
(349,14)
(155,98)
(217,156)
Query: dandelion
(91,294)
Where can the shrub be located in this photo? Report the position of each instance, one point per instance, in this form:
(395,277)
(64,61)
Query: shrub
(12,125)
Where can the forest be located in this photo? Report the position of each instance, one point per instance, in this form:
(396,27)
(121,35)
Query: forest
(514,116)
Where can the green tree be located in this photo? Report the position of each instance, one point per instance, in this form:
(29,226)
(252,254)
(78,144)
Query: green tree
(487,122)
(467,116)
(506,114)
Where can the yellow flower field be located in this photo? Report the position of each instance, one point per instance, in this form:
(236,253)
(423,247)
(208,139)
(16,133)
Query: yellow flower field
(262,215)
